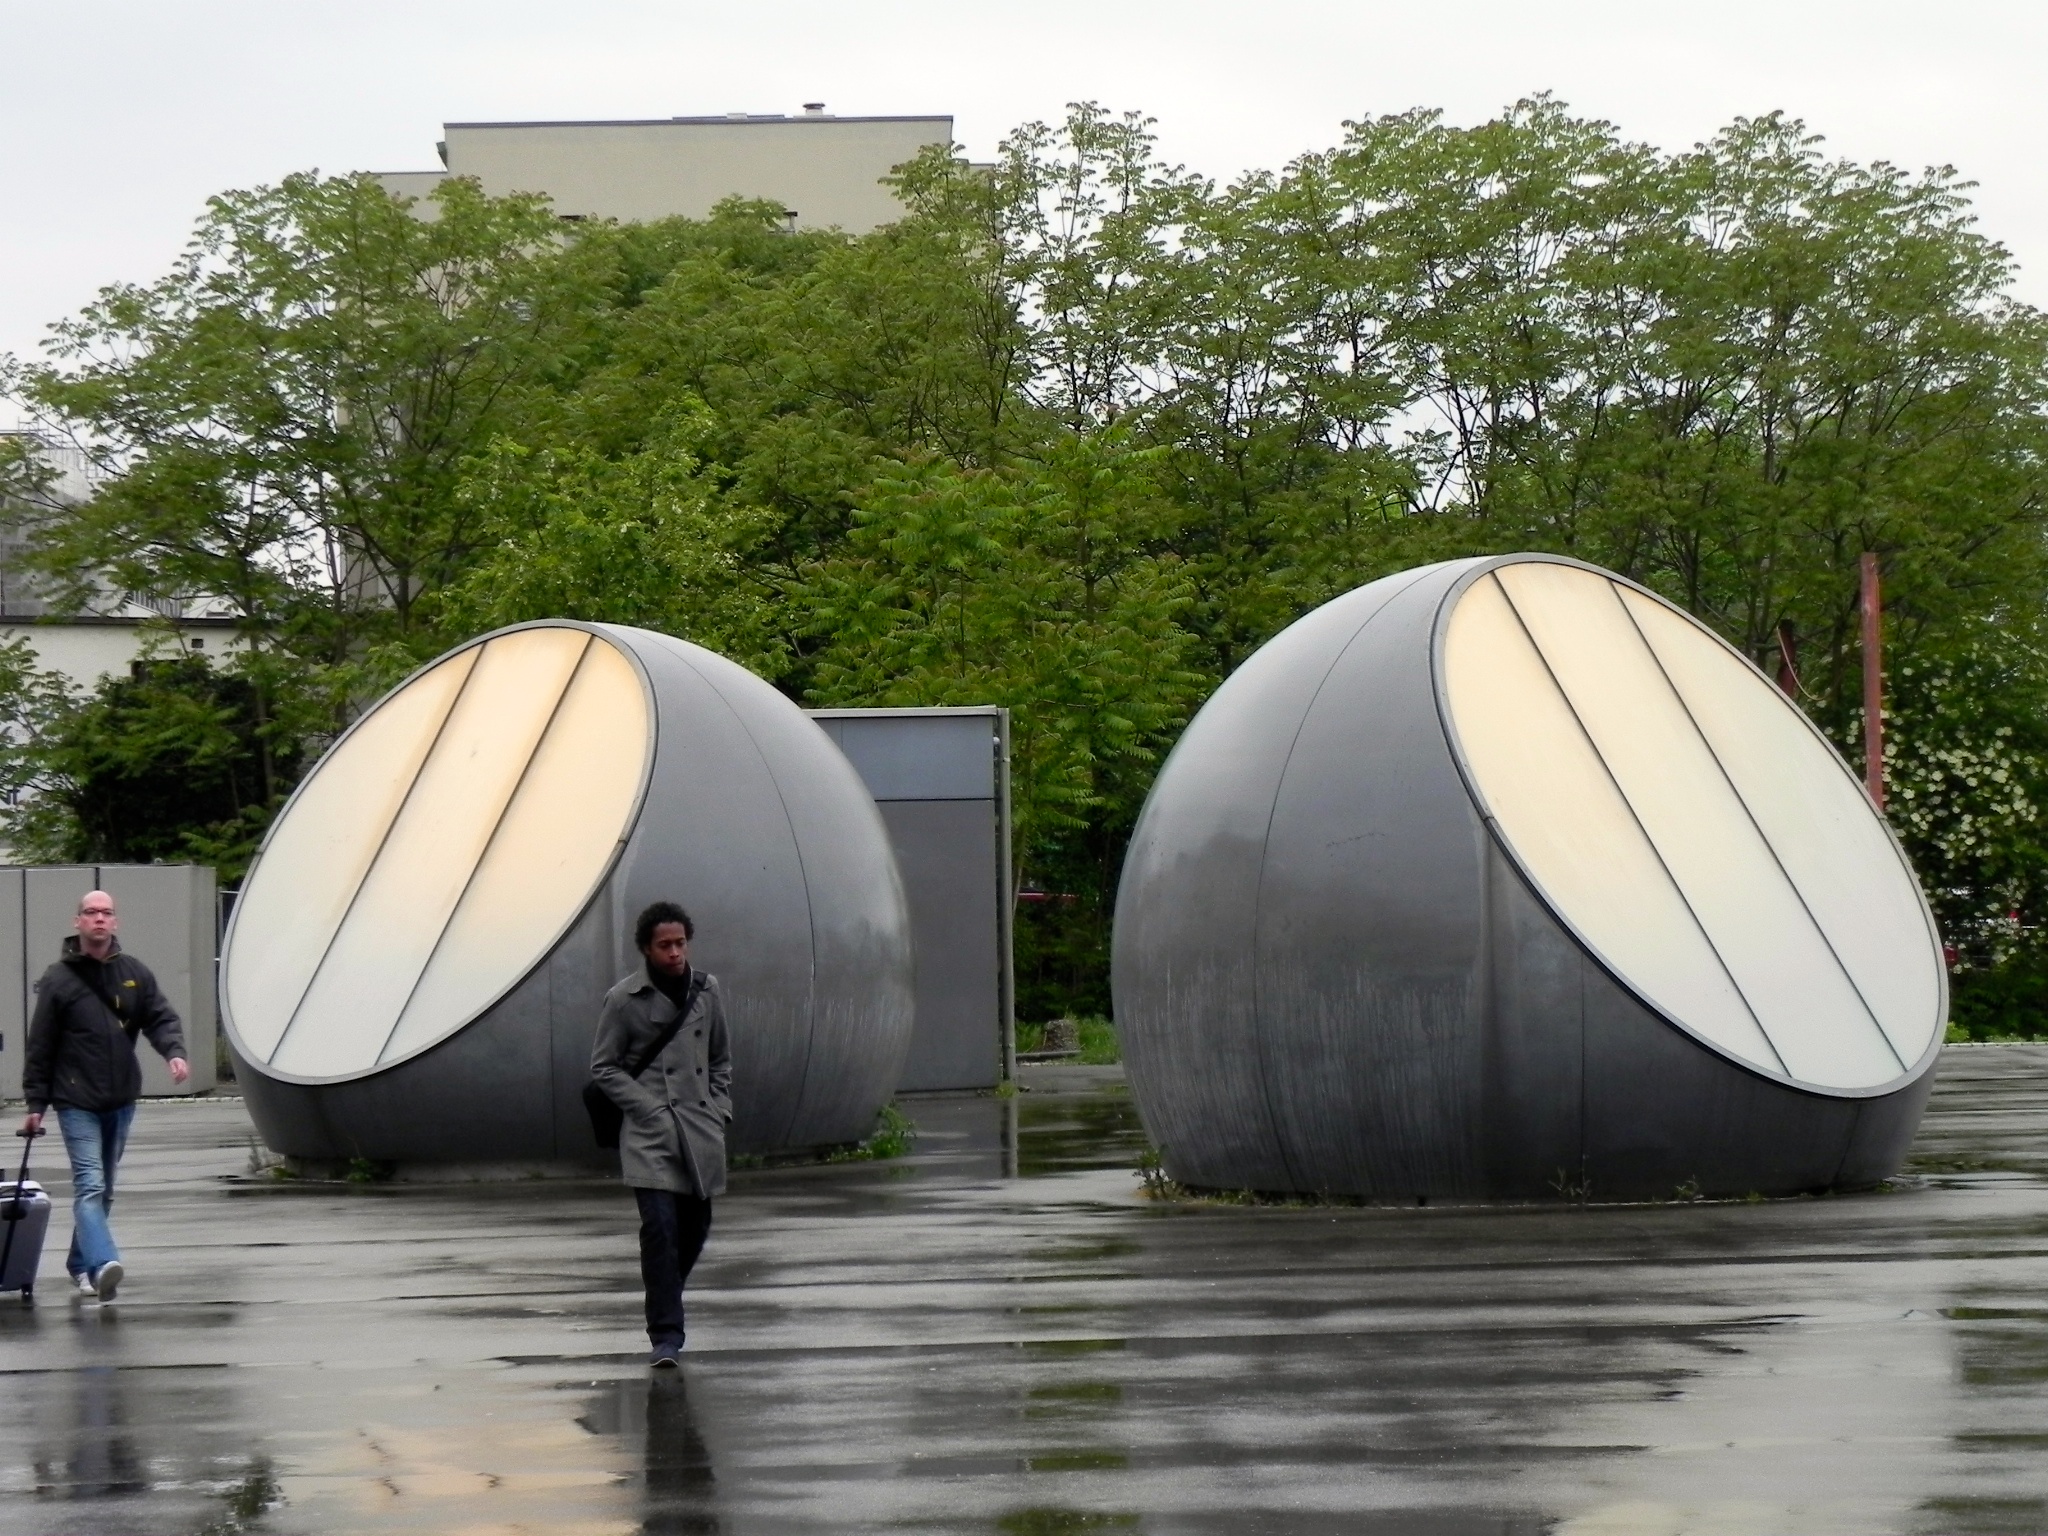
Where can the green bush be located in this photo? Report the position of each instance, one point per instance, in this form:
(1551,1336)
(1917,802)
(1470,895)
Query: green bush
(1099,1046)
(893,1136)
(2007,1001)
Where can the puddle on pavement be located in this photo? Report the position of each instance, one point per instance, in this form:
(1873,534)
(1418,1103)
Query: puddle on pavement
(1068,1122)
(1069,1346)
(1064,1522)
(1070,1132)
(653,1420)
(1990,1516)
(1079,1461)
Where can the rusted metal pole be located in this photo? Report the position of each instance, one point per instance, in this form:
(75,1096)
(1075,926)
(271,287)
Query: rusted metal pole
(1788,660)
(1873,683)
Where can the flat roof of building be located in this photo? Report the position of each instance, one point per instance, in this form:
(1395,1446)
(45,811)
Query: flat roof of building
(722,118)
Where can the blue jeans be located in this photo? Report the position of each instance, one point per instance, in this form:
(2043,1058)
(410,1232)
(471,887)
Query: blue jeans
(95,1142)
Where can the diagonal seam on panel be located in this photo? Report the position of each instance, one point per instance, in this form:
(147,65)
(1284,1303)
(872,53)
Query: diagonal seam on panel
(1733,789)
(383,839)
(1266,843)
(1648,841)
(484,852)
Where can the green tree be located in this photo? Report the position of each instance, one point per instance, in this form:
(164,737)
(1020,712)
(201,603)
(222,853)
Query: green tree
(642,539)
(283,419)
(167,764)
(1029,588)
(1083,429)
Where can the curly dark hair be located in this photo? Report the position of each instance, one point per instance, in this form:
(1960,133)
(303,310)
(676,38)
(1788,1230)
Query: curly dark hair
(656,914)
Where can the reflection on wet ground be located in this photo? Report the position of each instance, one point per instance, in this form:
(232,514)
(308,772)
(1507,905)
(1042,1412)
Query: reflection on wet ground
(998,1335)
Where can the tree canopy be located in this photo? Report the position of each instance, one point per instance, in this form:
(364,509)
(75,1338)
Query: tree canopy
(1083,429)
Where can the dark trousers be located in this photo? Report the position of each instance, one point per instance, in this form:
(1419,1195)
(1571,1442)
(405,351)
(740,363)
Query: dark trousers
(672,1232)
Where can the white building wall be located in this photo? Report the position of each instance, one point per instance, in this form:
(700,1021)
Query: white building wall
(87,650)
(827,170)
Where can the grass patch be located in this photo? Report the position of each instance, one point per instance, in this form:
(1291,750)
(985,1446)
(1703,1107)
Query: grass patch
(1153,1178)
(248,1501)
(1099,1047)
(1094,1035)
(894,1134)
(1080,1461)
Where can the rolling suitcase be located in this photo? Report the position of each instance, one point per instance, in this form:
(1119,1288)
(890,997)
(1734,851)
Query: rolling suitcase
(25,1220)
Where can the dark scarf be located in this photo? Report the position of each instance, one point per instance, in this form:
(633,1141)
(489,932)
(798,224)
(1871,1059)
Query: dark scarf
(675,988)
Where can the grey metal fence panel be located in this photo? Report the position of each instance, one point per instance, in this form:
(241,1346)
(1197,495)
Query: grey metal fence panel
(13,993)
(165,917)
(167,921)
(940,777)
(930,757)
(947,852)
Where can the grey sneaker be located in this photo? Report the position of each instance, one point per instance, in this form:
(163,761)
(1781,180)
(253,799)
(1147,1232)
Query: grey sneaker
(108,1280)
(82,1288)
(666,1357)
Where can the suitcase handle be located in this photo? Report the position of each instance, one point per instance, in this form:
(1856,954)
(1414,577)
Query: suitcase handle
(28,1145)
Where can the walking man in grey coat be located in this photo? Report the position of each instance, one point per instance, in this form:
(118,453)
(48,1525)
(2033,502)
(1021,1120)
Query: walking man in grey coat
(677,1108)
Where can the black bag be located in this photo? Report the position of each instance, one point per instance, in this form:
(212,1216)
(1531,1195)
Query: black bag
(606,1118)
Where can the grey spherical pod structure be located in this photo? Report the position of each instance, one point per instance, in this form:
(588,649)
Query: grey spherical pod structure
(1505,879)
(417,958)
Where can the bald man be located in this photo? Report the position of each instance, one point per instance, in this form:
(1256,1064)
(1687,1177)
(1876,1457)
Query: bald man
(90,1006)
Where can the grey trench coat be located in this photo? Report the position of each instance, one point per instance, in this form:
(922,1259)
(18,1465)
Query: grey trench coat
(678,1109)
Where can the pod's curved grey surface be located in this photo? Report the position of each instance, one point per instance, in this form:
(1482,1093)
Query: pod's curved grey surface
(752,819)
(1331,976)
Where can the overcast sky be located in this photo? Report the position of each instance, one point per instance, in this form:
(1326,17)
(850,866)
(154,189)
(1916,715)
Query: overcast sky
(118,119)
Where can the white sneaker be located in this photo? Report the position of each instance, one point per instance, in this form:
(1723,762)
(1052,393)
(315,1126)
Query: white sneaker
(83,1289)
(108,1280)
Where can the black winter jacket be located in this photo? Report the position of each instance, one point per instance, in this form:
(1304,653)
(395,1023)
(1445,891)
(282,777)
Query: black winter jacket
(81,1043)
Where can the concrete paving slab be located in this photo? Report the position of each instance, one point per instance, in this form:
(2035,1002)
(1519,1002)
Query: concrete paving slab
(999,1334)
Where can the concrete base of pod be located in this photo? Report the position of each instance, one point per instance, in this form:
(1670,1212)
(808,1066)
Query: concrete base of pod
(1331,979)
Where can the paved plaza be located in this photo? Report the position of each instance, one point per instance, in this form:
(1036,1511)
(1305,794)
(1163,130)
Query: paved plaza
(999,1334)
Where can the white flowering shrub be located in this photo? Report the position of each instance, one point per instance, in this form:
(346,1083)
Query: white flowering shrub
(1966,773)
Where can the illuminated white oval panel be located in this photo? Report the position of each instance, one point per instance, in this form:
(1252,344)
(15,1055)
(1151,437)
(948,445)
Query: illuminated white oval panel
(432,859)
(1680,815)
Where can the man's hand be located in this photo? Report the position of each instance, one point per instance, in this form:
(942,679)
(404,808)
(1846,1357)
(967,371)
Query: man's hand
(179,1070)
(32,1125)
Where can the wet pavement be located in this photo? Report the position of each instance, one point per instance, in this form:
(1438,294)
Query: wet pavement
(1000,1335)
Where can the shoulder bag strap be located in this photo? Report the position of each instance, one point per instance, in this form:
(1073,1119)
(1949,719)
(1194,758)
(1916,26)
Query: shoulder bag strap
(105,994)
(669,1033)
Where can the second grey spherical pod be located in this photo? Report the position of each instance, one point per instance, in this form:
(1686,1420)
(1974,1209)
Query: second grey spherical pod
(420,951)
(1504,879)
